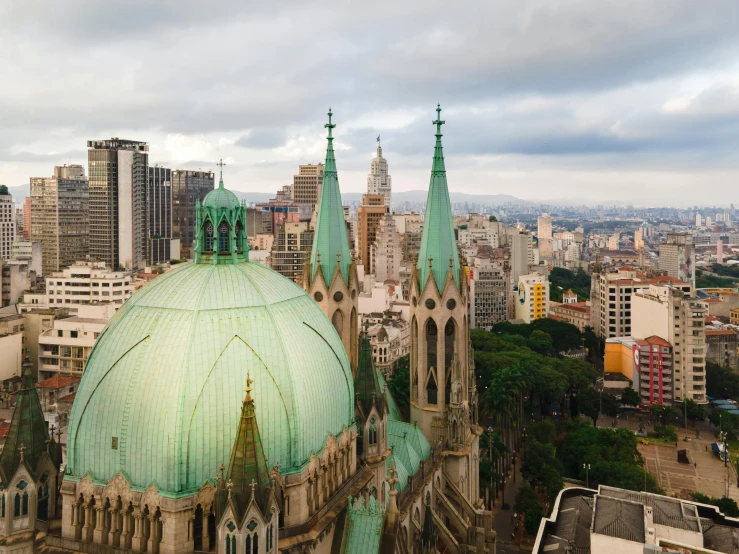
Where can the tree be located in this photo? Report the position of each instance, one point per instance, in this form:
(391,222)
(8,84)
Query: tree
(400,384)
(662,411)
(721,381)
(629,397)
(540,342)
(727,506)
(544,431)
(588,403)
(492,218)
(695,411)
(532,518)
(666,432)
(610,405)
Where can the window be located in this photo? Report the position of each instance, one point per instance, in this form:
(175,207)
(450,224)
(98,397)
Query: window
(208,237)
(223,238)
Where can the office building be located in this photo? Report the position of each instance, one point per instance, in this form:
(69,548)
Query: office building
(290,249)
(544,227)
(7,223)
(490,290)
(379,181)
(610,299)
(118,171)
(532,297)
(161,247)
(369,214)
(306,187)
(677,257)
(386,251)
(667,311)
(619,521)
(87,283)
(522,252)
(187,187)
(60,217)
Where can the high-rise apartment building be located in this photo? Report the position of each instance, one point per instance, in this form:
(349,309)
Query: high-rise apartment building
(677,257)
(369,214)
(387,252)
(187,187)
(60,217)
(544,226)
(290,249)
(378,180)
(306,187)
(638,239)
(118,172)
(490,288)
(27,218)
(7,223)
(522,252)
(159,216)
(532,298)
(669,312)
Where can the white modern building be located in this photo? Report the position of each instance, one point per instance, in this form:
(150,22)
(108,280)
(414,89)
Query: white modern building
(378,180)
(7,223)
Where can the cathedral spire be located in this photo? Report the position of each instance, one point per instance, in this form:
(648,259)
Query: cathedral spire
(248,473)
(437,240)
(330,239)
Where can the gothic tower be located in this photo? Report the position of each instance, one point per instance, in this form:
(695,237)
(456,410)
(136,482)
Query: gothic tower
(330,275)
(443,392)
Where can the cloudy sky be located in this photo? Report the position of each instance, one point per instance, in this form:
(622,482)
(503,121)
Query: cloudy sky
(596,100)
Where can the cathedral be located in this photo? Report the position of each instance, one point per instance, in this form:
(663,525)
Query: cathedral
(224,408)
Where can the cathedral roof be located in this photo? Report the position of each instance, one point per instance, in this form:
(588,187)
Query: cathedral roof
(409,448)
(248,472)
(366,383)
(164,379)
(28,433)
(363,528)
(438,245)
(221,198)
(330,242)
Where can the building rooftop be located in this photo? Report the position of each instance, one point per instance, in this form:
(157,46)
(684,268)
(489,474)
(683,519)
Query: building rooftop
(717,332)
(58,381)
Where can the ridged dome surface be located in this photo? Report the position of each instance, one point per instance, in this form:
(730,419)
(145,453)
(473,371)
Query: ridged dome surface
(221,197)
(161,395)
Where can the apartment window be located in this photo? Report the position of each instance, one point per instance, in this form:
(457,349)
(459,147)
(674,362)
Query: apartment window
(60,333)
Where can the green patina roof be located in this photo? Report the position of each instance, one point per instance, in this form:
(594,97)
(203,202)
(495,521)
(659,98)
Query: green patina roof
(221,198)
(28,431)
(4,190)
(392,407)
(329,240)
(366,383)
(409,448)
(437,240)
(363,528)
(165,377)
(247,459)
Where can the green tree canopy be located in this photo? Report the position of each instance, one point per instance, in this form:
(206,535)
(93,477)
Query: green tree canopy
(629,397)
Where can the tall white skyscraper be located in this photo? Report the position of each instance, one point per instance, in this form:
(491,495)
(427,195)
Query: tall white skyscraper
(7,223)
(378,181)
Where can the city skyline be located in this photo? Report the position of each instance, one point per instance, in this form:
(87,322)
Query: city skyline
(635,103)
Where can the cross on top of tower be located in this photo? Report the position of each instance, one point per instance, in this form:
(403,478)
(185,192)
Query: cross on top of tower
(221,164)
(438,122)
(253,486)
(248,388)
(330,125)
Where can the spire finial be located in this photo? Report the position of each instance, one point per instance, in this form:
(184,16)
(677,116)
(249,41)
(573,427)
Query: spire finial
(431,262)
(253,486)
(248,388)
(221,164)
(438,121)
(22,449)
(330,125)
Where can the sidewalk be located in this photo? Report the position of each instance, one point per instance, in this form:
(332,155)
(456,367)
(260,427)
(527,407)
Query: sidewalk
(503,521)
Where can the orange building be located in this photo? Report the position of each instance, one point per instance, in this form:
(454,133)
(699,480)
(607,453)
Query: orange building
(369,214)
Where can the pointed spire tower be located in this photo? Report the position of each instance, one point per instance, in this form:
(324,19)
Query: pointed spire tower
(330,274)
(440,373)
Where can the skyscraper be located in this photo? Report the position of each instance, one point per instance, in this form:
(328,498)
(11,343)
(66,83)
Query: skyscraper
(159,215)
(7,223)
(306,187)
(378,180)
(118,171)
(544,224)
(386,251)
(369,214)
(677,257)
(187,187)
(60,217)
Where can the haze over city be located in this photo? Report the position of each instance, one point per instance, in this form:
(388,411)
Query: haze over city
(548,101)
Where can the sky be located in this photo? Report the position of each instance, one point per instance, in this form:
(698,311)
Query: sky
(552,100)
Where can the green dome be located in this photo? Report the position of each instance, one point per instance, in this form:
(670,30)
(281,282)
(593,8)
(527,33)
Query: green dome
(165,379)
(221,198)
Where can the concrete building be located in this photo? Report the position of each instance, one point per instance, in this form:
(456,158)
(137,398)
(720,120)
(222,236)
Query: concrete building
(544,226)
(734,316)
(12,345)
(532,298)
(677,257)
(619,521)
(187,187)
(159,242)
(118,171)
(576,313)
(60,217)
(610,297)
(638,239)
(667,311)
(721,347)
(386,252)
(613,241)
(7,223)
(647,362)
(379,181)
(490,290)
(88,283)
(369,214)
(290,249)
(24,250)
(65,347)
(306,187)
(15,277)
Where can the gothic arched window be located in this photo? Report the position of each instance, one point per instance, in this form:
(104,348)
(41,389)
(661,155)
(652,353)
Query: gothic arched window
(432,389)
(373,435)
(431,338)
(223,237)
(208,247)
(239,235)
